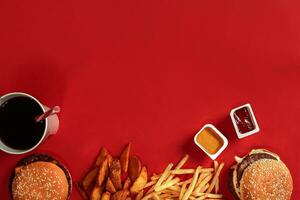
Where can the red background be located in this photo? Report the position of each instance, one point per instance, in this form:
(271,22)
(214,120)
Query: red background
(154,72)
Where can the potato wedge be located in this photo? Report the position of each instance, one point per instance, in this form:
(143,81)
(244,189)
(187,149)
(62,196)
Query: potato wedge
(82,191)
(120,195)
(102,172)
(96,193)
(127,184)
(124,158)
(110,186)
(105,196)
(101,156)
(89,178)
(115,173)
(139,184)
(140,195)
(134,167)
(109,158)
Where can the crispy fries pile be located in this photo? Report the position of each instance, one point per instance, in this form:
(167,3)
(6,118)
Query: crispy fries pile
(204,183)
(111,178)
(125,178)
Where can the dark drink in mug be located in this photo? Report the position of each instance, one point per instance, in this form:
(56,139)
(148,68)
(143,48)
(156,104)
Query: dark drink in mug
(18,129)
(19,132)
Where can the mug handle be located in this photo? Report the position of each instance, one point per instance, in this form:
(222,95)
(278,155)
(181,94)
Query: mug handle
(53,123)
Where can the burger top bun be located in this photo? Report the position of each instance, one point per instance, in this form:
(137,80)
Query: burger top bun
(266,179)
(40,179)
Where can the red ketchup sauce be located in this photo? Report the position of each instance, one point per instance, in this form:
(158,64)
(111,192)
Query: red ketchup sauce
(244,120)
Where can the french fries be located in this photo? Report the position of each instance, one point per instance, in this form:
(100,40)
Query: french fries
(217,181)
(164,176)
(113,178)
(182,191)
(216,177)
(170,185)
(167,184)
(190,189)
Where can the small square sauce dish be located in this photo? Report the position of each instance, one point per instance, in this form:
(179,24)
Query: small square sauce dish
(244,121)
(211,141)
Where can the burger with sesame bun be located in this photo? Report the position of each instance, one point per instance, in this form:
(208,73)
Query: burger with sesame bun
(40,177)
(260,175)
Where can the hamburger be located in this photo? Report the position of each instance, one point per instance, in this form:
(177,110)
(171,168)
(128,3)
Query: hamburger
(40,177)
(260,175)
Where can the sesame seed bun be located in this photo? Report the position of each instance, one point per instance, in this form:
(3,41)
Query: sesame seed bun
(40,176)
(266,179)
(260,175)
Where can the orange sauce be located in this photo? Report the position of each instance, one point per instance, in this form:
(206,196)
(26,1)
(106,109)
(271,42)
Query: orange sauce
(210,140)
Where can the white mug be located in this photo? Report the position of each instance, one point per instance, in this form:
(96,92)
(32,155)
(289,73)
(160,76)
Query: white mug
(51,123)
